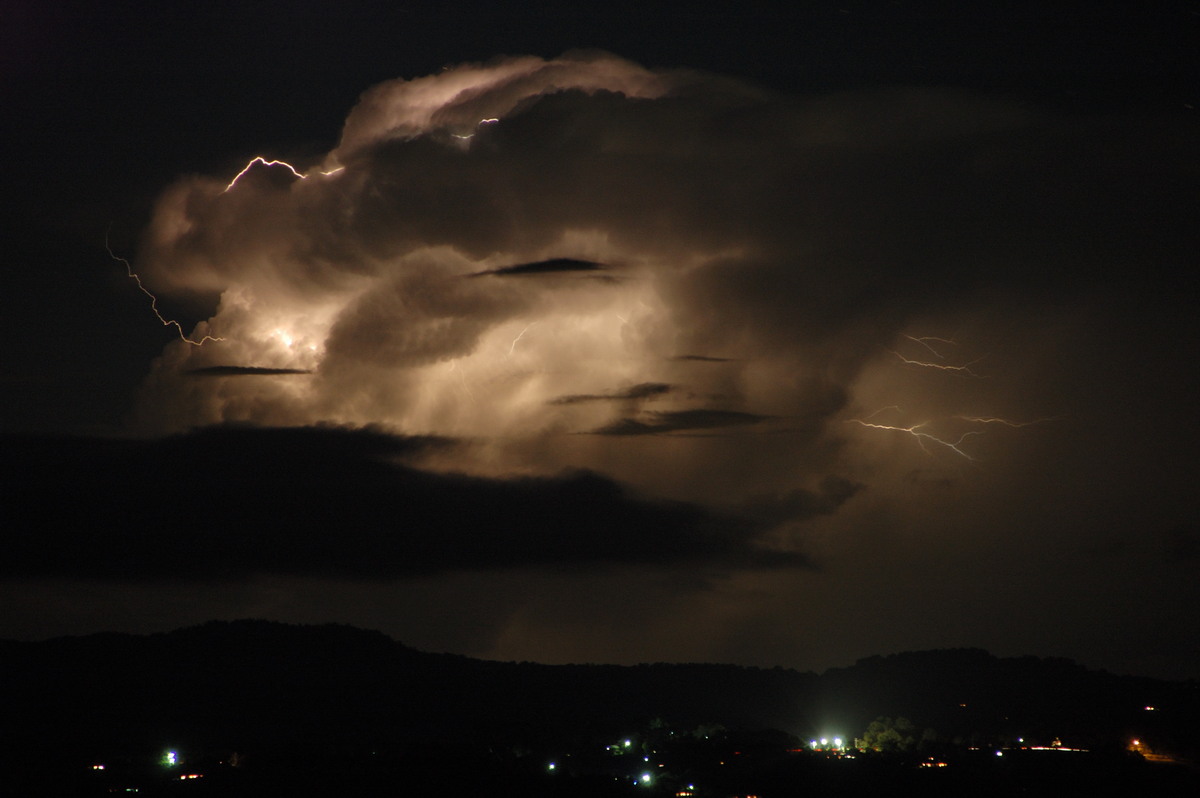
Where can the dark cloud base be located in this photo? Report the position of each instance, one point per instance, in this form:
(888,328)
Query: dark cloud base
(227,502)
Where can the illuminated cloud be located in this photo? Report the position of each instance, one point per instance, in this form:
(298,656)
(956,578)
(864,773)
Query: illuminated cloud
(687,285)
(701,189)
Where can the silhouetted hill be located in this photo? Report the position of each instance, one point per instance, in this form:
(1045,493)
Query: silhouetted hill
(969,693)
(269,684)
(335,693)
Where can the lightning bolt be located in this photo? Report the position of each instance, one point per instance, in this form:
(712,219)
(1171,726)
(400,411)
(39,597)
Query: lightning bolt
(882,410)
(264,162)
(933,345)
(154,300)
(468,136)
(964,369)
(954,446)
(260,159)
(1008,422)
(925,339)
(462,378)
(519,337)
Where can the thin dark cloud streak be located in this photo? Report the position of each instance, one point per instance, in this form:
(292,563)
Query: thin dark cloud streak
(661,422)
(242,371)
(644,390)
(543,267)
(703,358)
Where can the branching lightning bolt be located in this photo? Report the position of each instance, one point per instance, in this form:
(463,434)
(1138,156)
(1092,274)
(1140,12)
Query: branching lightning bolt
(925,339)
(919,431)
(260,159)
(964,369)
(264,162)
(921,437)
(154,300)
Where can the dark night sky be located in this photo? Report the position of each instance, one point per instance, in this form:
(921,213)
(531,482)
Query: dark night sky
(767,333)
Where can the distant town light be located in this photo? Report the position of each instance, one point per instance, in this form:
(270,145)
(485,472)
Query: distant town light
(1149,709)
(837,742)
(645,778)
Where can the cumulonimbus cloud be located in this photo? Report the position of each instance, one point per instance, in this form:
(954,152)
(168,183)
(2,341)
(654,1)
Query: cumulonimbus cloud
(759,254)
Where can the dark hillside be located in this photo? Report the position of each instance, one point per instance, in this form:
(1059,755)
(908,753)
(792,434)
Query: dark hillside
(327,699)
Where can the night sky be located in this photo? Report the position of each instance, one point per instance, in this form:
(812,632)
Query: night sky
(773,334)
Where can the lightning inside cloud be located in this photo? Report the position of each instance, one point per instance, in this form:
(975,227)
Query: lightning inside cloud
(612,217)
(203,339)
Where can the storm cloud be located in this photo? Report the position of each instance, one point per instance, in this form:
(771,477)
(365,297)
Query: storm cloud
(893,341)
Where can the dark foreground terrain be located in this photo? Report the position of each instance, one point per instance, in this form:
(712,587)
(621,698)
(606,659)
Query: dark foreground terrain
(264,709)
